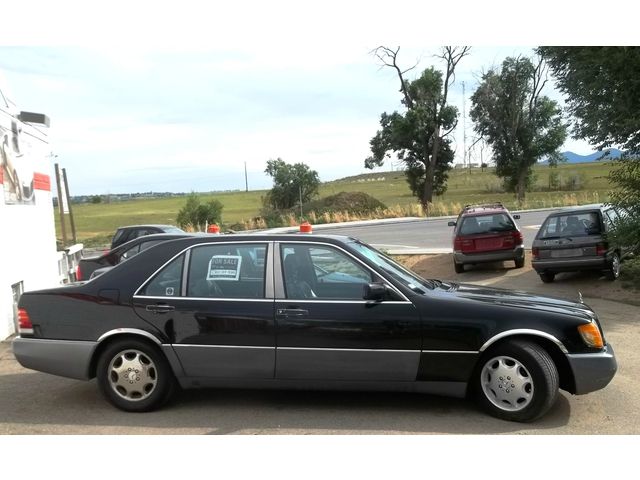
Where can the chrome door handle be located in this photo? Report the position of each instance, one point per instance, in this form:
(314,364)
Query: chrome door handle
(159,308)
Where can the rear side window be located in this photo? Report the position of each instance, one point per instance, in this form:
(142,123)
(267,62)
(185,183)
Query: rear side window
(227,271)
(167,282)
(571,225)
(493,223)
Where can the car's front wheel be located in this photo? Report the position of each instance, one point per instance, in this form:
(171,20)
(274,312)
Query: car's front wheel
(134,376)
(517,381)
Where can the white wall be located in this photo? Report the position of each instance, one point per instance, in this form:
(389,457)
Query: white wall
(27,230)
(28,246)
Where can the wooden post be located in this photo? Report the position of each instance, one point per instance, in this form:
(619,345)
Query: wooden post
(60,207)
(66,191)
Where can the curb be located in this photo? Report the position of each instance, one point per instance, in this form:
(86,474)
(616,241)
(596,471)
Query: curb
(388,221)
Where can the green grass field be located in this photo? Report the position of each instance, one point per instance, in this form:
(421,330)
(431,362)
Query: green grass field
(95,223)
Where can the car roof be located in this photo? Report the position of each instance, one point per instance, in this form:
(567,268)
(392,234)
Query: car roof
(148,225)
(155,236)
(484,208)
(579,208)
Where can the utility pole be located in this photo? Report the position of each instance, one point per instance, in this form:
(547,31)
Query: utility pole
(246,180)
(300,189)
(60,207)
(66,191)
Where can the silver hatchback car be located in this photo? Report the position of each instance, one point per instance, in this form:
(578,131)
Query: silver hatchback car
(575,239)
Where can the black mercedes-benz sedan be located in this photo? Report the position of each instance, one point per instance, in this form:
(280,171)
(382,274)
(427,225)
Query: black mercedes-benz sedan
(307,311)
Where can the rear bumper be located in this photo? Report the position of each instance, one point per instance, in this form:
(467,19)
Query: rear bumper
(593,371)
(485,257)
(569,265)
(57,357)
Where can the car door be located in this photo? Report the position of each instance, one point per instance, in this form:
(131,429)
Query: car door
(325,330)
(216,305)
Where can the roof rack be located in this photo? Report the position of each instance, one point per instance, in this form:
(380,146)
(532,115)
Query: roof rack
(484,205)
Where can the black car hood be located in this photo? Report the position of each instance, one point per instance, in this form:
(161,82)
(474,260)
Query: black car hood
(514,298)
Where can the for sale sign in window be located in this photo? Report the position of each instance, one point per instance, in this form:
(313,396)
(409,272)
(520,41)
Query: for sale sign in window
(224,267)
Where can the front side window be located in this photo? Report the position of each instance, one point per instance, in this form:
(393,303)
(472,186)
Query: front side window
(227,271)
(322,273)
(571,225)
(480,224)
(167,282)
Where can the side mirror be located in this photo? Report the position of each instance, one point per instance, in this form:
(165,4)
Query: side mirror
(516,216)
(451,224)
(374,291)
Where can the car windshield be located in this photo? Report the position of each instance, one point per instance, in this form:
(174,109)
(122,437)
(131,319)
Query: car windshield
(394,269)
(479,224)
(570,225)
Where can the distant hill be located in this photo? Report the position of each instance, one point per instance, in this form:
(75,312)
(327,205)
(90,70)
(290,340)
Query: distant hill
(592,157)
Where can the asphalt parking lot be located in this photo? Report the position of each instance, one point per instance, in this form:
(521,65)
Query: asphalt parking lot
(37,403)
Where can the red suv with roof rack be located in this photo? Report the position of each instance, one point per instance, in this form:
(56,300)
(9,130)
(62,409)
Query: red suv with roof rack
(486,233)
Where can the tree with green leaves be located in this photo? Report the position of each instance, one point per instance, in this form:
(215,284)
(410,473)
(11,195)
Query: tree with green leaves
(196,215)
(520,124)
(419,135)
(292,183)
(602,89)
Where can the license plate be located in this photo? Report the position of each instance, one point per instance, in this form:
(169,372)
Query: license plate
(566,252)
(488,243)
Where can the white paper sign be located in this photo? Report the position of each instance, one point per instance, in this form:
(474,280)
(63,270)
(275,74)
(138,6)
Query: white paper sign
(224,267)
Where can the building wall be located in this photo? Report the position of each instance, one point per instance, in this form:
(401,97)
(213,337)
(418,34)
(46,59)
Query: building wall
(27,229)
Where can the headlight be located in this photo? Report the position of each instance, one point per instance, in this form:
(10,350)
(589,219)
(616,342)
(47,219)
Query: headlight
(590,333)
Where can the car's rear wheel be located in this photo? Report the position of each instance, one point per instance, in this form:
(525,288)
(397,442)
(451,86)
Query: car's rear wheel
(519,262)
(547,277)
(613,272)
(517,381)
(134,376)
(458,267)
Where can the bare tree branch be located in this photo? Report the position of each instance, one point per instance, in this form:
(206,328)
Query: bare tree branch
(389,57)
(540,71)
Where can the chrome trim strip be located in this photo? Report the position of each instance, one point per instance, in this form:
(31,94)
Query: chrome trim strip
(185,273)
(348,349)
(178,345)
(134,331)
(523,331)
(384,279)
(268,272)
(450,351)
(390,302)
(214,299)
(25,331)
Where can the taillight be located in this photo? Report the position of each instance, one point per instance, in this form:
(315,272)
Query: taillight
(78,272)
(457,244)
(518,238)
(601,249)
(24,322)
(535,251)
(463,244)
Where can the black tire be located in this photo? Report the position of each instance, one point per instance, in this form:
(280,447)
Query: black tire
(520,262)
(156,380)
(541,379)
(613,272)
(547,277)
(458,267)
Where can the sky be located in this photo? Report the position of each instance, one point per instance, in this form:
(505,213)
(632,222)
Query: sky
(158,115)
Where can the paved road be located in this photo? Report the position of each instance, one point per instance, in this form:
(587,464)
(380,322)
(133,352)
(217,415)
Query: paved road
(426,233)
